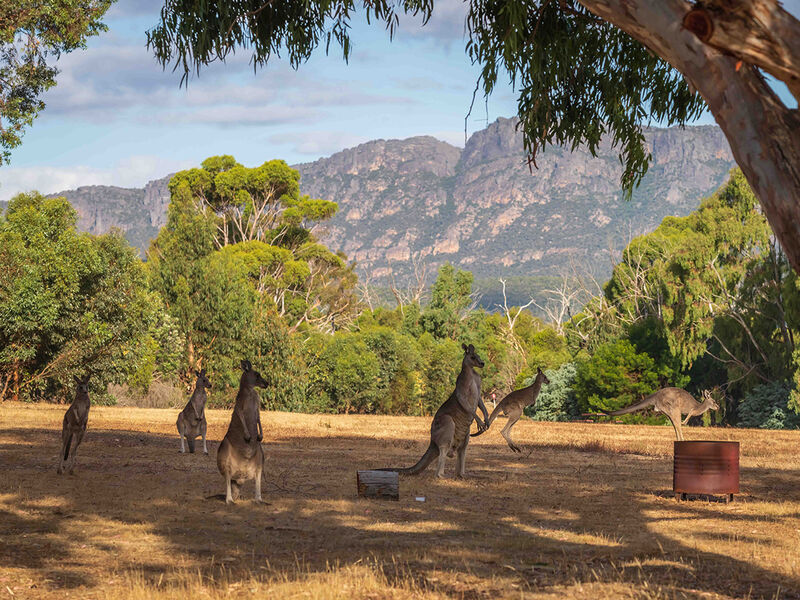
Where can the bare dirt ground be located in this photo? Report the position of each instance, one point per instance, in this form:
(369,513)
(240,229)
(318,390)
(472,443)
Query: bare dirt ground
(586,511)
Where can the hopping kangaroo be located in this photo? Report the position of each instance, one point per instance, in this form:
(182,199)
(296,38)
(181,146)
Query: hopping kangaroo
(673,402)
(74,425)
(240,456)
(513,406)
(192,420)
(450,427)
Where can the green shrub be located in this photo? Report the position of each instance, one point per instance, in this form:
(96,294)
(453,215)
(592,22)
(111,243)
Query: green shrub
(350,374)
(556,401)
(399,362)
(766,407)
(617,376)
(442,363)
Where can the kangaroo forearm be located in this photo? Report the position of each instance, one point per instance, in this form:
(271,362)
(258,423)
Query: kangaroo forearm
(244,424)
(485,412)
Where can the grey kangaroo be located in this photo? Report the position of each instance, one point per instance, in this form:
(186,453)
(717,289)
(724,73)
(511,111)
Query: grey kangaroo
(673,402)
(74,425)
(450,427)
(240,456)
(513,406)
(192,420)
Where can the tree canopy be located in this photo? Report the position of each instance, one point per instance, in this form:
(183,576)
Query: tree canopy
(70,303)
(584,70)
(31,32)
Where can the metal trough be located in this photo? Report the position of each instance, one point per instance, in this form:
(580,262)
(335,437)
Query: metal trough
(706,467)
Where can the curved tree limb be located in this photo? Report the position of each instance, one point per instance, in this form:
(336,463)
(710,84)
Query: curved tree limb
(762,132)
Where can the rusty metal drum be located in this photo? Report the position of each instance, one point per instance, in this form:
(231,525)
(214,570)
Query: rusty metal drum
(706,467)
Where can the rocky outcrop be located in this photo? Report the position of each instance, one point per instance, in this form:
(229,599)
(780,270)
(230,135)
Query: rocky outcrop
(491,214)
(481,208)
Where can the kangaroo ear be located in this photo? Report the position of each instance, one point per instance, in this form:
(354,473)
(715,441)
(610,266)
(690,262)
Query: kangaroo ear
(464,346)
(196,373)
(471,348)
(246,366)
(77,379)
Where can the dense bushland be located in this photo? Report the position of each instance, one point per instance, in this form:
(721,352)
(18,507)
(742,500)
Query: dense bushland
(705,301)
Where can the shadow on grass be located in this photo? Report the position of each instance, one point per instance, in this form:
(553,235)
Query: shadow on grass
(551,521)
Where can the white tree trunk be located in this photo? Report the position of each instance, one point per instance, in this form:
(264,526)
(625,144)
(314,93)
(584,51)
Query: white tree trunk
(763,134)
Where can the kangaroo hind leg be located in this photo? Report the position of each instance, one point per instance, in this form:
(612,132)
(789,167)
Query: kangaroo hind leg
(513,417)
(259,470)
(228,489)
(181,432)
(78,439)
(442,436)
(66,441)
(461,462)
(676,425)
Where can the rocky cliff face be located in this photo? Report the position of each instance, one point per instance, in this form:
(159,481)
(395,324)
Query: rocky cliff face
(484,210)
(480,208)
(139,213)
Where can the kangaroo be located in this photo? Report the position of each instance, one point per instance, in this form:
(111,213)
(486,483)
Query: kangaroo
(450,427)
(240,456)
(513,406)
(74,424)
(192,420)
(673,402)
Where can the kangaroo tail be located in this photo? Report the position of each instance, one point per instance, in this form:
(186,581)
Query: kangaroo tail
(492,417)
(430,454)
(649,401)
(66,447)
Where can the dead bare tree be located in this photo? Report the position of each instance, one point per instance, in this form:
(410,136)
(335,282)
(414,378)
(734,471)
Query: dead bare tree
(365,291)
(414,291)
(507,311)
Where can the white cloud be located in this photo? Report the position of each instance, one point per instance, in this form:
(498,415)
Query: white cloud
(447,25)
(236,116)
(134,171)
(318,143)
(122,83)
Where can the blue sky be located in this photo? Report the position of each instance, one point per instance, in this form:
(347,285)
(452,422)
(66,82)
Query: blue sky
(116,118)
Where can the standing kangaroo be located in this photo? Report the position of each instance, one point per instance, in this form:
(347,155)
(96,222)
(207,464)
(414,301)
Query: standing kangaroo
(513,406)
(450,427)
(192,420)
(74,424)
(240,456)
(673,402)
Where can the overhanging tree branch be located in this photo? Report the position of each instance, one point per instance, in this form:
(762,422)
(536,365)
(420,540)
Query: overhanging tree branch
(759,32)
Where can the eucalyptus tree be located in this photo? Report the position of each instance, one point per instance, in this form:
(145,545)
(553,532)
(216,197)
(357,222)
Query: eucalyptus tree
(238,254)
(584,70)
(70,303)
(711,284)
(34,33)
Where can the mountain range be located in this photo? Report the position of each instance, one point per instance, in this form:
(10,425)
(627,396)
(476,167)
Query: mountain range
(480,207)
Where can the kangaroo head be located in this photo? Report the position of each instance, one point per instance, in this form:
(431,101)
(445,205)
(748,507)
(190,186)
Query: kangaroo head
(82,386)
(251,377)
(202,380)
(471,357)
(540,375)
(710,400)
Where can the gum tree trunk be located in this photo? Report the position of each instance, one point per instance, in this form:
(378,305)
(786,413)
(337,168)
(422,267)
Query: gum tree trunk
(707,48)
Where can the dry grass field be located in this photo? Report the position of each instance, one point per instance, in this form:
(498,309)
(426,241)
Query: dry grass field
(586,511)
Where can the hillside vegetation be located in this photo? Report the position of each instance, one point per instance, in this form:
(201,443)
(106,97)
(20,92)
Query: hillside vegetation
(704,302)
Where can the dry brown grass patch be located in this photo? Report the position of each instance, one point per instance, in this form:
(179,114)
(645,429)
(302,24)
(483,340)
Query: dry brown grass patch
(584,512)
